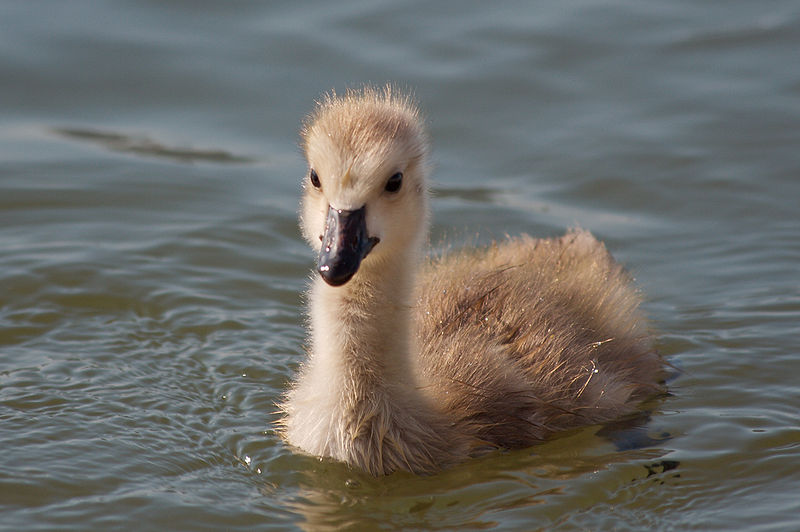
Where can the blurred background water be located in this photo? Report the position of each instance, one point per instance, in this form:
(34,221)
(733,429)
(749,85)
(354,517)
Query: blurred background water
(151,271)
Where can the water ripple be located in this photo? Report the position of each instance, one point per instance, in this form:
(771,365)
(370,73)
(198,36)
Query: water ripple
(144,146)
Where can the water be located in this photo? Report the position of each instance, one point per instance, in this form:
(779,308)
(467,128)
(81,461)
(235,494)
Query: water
(151,270)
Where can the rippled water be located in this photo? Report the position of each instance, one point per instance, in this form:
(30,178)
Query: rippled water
(151,271)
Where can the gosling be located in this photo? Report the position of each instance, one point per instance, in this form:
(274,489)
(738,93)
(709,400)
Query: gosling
(416,364)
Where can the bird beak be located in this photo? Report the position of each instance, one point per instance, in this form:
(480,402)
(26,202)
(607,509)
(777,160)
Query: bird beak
(344,245)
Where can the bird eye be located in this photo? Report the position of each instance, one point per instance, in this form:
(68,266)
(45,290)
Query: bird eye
(314,179)
(394,183)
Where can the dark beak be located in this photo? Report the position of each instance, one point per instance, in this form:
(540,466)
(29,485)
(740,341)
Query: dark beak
(344,245)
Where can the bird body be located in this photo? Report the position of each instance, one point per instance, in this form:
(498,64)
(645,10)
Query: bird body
(416,364)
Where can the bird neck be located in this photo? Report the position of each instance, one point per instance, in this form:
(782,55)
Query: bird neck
(357,398)
(363,330)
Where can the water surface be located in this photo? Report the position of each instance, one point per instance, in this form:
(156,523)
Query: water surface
(151,271)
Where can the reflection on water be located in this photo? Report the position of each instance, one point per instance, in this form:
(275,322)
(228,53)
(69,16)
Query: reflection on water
(151,309)
(511,489)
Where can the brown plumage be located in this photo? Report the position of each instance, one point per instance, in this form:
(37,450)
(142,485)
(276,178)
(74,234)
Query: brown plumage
(416,365)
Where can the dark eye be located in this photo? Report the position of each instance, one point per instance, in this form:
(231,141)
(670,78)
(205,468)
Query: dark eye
(394,183)
(314,179)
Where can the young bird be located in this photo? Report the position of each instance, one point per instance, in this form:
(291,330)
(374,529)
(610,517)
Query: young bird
(416,364)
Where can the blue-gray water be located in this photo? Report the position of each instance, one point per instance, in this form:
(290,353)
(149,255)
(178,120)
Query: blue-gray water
(151,271)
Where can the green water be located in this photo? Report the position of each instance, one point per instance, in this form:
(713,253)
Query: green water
(151,271)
